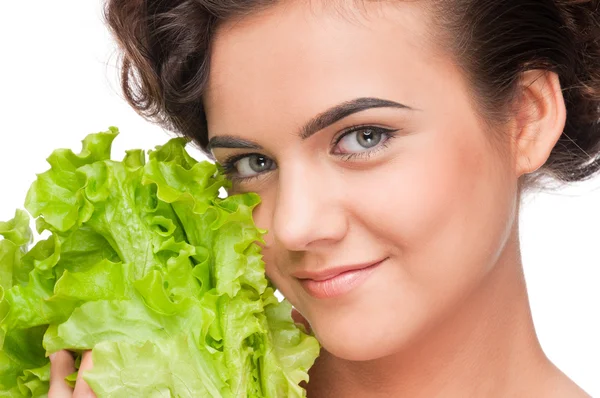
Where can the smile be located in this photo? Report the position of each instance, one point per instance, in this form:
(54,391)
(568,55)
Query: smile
(337,281)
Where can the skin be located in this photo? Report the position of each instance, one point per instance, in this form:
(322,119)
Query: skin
(62,365)
(446,313)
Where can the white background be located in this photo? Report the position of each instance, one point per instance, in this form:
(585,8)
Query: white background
(58,83)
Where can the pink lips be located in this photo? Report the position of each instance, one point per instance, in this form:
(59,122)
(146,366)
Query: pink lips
(337,281)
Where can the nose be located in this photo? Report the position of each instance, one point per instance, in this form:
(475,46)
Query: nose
(309,210)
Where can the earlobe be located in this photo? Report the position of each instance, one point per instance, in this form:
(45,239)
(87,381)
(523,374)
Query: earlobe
(541,118)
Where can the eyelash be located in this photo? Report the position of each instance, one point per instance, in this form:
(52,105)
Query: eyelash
(228,164)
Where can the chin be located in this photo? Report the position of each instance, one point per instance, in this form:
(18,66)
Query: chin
(365,337)
(357,350)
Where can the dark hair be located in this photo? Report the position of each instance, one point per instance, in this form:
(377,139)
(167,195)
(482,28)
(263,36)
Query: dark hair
(166,52)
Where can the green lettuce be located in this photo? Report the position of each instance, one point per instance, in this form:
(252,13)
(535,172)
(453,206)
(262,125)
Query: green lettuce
(147,266)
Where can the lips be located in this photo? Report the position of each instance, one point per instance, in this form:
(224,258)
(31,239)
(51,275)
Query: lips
(337,281)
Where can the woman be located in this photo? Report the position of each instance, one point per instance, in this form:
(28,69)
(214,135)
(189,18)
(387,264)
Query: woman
(391,143)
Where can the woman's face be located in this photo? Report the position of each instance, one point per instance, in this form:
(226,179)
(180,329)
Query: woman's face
(362,140)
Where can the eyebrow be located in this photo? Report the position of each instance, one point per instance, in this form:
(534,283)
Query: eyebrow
(316,124)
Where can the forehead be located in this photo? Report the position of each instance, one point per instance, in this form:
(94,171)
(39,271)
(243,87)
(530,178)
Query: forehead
(297,58)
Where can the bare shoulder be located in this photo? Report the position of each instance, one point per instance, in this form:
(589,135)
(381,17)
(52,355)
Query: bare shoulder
(566,389)
(559,385)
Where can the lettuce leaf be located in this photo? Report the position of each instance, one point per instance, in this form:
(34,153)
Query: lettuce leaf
(147,266)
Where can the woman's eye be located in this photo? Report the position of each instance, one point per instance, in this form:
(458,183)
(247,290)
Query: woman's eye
(361,140)
(252,165)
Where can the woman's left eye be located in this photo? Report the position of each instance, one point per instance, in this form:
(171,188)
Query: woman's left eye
(362,139)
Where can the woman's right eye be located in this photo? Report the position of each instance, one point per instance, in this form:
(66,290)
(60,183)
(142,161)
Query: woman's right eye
(248,166)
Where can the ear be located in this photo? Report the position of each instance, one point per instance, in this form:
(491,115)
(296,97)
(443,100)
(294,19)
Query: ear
(540,120)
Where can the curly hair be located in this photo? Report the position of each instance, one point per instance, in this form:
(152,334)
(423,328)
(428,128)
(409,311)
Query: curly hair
(166,55)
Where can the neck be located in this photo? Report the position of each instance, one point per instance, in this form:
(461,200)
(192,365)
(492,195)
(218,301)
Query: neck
(486,347)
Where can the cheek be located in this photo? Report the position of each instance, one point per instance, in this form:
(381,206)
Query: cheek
(273,254)
(447,210)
